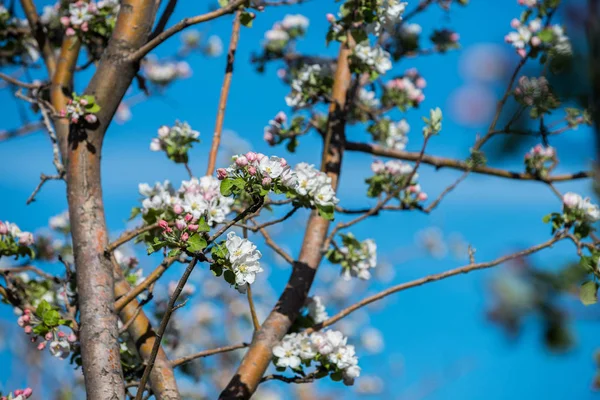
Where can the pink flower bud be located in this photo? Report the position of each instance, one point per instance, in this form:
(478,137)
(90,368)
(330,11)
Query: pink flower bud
(91,118)
(185,236)
(26,318)
(83,102)
(72,338)
(168,230)
(27,311)
(74,120)
(266,181)
(221,173)
(193,227)
(41,346)
(180,224)
(26,239)
(163,131)
(28,329)
(283,162)
(61,334)
(536,41)
(177,209)
(241,161)
(3,228)
(260,156)
(163,224)
(330,17)
(422,196)
(522,53)
(421,83)
(269,138)
(507,39)
(49,336)
(18,392)
(27,392)
(252,170)
(62,113)
(65,21)
(251,156)
(413,189)
(84,26)
(188,217)
(21,322)
(515,23)
(281,73)
(281,117)
(70,32)
(454,37)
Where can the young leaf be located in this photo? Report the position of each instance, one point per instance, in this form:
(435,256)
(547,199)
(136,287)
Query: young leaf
(588,293)
(196,243)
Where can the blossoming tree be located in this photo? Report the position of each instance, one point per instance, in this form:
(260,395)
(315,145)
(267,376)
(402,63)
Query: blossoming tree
(102,312)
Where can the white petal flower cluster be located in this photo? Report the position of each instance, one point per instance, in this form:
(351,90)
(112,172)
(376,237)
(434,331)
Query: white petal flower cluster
(573,202)
(393,135)
(392,167)
(310,83)
(532,33)
(326,347)
(392,176)
(176,141)
(159,197)
(244,257)
(10,232)
(537,160)
(359,260)
(203,197)
(529,3)
(291,27)
(368,98)
(316,309)
(375,58)
(83,17)
(164,73)
(406,90)
(389,13)
(408,30)
(273,130)
(315,184)
(295,21)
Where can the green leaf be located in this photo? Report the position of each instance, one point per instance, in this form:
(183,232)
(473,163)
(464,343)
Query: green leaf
(40,330)
(226,186)
(223,3)
(546,218)
(229,277)
(326,212)
(42,308)
(202,225)
(135,211)
(246,19)
(156,246)
(216,269)
(196,243)
(588,293)
(92,108)
(174,252)
(51,318)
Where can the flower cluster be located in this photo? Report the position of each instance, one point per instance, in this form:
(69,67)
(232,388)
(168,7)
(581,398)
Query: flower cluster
(184,233)
(433,124)
(19,394)
(389,14)
(445,39)
(392,177)
(277,38)
(276,132)
(389,133)
(14,242)
(60,223)
(44,324)
(540,160)
(258,174)
(405,91)
(310,84)
(162,73)
(192,41)
(537,94)
(374,60)
(327,348)
(81,107)
(578,213)
(356,258)
(176,141)
(82,17)
(237,259)
(199,197)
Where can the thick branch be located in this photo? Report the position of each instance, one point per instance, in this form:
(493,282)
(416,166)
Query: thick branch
(277,324)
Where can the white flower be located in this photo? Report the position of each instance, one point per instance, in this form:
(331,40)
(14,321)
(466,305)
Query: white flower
(592,212)
(376,57)
(79,13)
(316,309)
(572,200)
(240,248)
(214,46)
(287,354)
(306,176)
(295,21)
(60,349)
(60,222)
(368,98)
(270,167)
(277,35)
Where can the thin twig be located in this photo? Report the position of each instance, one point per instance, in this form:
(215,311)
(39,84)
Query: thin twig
(21,131)
(446,191)
(296,379)
(271,243)
(269,223)
(19,83)
(31,268)
(235,35)
(432,278)
(163,326)
(180,361)
(129,235)
(181,25)
(43,179)
(164,19)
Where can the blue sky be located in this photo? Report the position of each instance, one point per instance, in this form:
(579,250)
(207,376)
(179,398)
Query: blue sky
(436,329)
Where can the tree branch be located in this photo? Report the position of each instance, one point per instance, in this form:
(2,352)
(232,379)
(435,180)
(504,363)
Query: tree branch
(206,353)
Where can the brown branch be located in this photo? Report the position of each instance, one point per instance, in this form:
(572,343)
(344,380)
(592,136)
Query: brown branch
(164,19)
(126,297)
(17,82)
(256,228)
(450,188)
(31,268)
(259,355)
(162,378)
(181,25)
(271,243)
(441,162)
(163,327)
(235,35)
(433,278)
(40,36)
(21,131)
(206,353)
(296,379)
(43,179)
(129,235)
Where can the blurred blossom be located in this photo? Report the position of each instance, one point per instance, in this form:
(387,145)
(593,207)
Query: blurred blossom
(484,62)
(214,46)
(372,340)
(458,246)
(432,240)
(205,313)
(385,272)
(472,105)
(123,113)
(369,385)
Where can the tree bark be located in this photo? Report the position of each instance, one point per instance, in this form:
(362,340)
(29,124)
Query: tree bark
(281,318)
